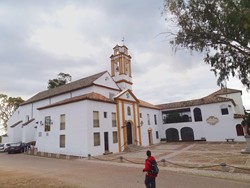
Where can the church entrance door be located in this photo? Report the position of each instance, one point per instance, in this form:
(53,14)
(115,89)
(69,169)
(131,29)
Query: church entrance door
(129,133)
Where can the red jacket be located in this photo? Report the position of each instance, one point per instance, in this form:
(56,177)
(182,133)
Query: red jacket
(147,167)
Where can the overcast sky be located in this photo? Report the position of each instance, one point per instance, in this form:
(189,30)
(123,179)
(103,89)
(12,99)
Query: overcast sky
(39,39)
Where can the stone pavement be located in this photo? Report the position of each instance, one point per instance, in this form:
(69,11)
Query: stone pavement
(195,157)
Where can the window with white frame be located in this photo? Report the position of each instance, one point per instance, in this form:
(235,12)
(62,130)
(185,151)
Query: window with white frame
(96,119)
(129,110)
(197,114)
(148,117)
(155,118)
(224,109)
(47,122)
(115,137)
(97,141)
(62,122)
(157,135)
(62,141)
(111,96)
(114,119)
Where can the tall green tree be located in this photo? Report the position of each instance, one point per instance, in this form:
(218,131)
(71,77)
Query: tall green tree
(246,123)
(61,79)
(7,107)
(218,28)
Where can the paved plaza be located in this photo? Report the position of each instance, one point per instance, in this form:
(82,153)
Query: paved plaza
(194,157)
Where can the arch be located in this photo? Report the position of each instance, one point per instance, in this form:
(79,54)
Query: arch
(197,114)
(239,130)
(187,134)
(172,135)
(150,136)
(185,118)
(117,67)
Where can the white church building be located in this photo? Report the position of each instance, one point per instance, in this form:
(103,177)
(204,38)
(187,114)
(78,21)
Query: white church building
(100,114)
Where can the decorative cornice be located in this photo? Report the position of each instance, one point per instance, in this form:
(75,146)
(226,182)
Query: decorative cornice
(123,80)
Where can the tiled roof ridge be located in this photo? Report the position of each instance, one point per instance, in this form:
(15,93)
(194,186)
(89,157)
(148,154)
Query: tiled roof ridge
(224,91)
(81,83)
(179,102)
(147,105)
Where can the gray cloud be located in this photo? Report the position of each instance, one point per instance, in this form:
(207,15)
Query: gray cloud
(39,39)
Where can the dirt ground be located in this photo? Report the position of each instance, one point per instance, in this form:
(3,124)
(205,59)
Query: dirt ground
(10,179)
(27,171)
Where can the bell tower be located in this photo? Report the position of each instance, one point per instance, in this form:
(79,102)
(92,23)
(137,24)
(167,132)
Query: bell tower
(121,67)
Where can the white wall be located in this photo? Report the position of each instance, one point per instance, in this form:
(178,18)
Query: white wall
(239,109)
(107,81)
(29,132)
(225,128)
(153,126)
(79,129)
(75,130)
(105,126)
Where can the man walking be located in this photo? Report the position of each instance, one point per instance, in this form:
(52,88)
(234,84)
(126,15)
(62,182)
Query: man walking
(149,178)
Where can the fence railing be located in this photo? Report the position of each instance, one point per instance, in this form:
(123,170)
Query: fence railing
(163,162)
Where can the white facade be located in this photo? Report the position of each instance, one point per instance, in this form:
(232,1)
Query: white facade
(220,118)
(100,114)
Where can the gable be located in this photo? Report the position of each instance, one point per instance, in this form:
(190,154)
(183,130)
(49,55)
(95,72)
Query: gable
(106,81)
(127,95)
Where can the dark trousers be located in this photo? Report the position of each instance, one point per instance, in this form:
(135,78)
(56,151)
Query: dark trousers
(149,182)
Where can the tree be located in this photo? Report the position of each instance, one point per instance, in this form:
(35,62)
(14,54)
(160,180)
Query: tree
(219,28)
(7,107)
(246,123)
(173,117)
(61,79)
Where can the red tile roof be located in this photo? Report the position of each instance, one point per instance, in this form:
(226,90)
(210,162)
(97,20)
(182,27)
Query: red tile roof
(72,86)
(148,105)
(90,96)
(224,91)
(210,99)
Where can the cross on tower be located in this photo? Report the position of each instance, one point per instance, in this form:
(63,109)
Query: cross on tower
(123,41)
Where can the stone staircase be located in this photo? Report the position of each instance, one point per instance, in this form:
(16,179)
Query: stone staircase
(133,147)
